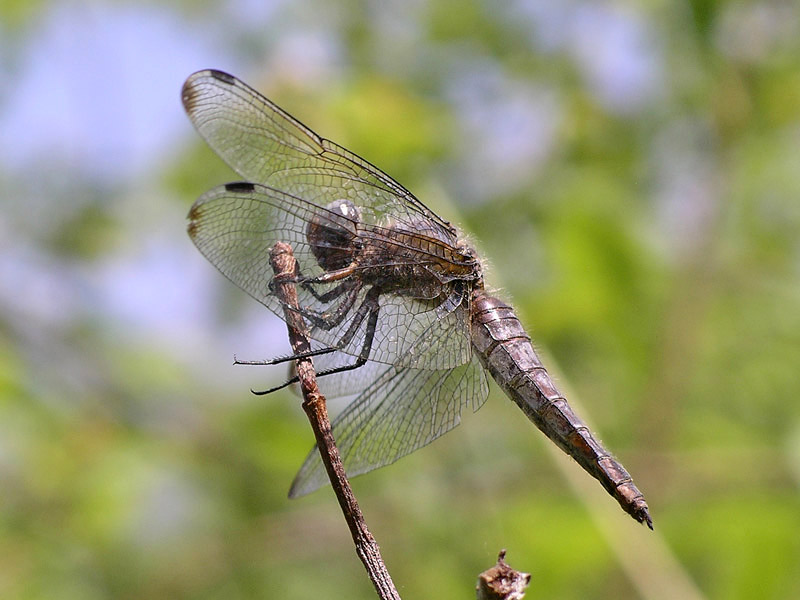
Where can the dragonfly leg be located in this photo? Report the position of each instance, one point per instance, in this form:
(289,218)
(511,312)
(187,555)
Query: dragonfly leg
(326,277)
(369,309)
(331,294)
(326,321)
(308,283)
(329,319)
(369,336)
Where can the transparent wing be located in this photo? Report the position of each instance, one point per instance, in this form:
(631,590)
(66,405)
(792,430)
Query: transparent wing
(235,226)
(401,411)
(266,145)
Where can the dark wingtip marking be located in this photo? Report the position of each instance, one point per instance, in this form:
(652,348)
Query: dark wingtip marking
(189,91)
(222,76)
(189,95)
(239,187)
(194,212)
(194,217)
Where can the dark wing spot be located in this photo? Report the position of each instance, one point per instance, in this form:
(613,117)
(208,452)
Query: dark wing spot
(222,76)
(239,187)
(188,96)
(194,216)
(194,212)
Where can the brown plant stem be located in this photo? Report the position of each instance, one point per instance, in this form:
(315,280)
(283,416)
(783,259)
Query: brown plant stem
(284,266)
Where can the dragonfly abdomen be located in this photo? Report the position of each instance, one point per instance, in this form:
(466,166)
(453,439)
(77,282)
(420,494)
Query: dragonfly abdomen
(506,351)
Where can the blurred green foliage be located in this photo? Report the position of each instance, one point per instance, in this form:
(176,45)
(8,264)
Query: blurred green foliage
(654,251)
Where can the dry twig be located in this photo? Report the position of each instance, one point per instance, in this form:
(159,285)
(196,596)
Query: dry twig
(284,266)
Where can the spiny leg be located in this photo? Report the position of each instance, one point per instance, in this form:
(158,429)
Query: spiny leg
(344,275)
(369,337)
(308,283)
(325,297)
(324,321)
(328,319)
(370,307)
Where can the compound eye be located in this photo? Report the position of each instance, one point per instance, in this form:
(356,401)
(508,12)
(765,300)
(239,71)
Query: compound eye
(345,208)
(332,235)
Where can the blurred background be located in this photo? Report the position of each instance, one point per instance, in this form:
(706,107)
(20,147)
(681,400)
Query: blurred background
(629,170)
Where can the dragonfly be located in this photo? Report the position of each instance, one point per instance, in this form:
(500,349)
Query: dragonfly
(392,294)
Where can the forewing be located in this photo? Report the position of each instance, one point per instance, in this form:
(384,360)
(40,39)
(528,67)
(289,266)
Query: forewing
(235,226)
(266,145)
(401,411)
(444,344)
(419,334)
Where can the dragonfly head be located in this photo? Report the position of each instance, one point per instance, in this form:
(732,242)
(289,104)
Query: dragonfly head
(332,234)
